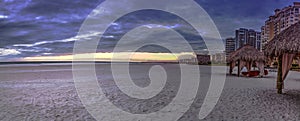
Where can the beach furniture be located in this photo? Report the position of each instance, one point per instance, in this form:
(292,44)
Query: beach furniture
(254,73)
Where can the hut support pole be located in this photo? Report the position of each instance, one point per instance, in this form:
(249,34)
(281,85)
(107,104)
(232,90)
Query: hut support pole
(230,68)
(249,65)
(239,68)
(279,76)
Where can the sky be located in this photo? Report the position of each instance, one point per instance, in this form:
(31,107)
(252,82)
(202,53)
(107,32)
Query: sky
(30,28)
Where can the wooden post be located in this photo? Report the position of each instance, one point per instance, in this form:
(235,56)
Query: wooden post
(279,76)
(230,68)
(239,68)
(249,65)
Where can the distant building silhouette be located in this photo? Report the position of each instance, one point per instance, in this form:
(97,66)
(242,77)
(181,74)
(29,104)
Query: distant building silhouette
(187,59)
(230,45)
(203,59)
(191,59)
(218,58)
(247,36)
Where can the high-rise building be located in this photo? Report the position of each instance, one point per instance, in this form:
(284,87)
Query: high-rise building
(251,39)
(240,37)
(282,19)
(258,41)
(247,36)
(230,45)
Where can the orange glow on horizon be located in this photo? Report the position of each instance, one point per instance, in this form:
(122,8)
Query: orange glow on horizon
(121,56)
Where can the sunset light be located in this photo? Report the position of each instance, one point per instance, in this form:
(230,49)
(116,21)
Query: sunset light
(122,56)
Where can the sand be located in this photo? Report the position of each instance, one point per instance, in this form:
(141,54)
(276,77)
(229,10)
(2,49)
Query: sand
(47,92)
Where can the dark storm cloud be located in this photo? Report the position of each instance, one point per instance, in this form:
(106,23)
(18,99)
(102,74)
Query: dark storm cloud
(30,22)
(232,14)
(43,27)
(152,19)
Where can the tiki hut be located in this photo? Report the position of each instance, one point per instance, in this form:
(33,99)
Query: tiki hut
(285,46)
(246,56)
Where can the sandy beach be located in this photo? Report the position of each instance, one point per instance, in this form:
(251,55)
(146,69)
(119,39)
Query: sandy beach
(47,92)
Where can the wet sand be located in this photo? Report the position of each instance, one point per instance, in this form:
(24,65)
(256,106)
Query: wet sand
(47,92)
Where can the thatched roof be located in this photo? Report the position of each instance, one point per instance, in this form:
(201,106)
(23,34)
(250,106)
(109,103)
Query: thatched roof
(288,41)
(246,53)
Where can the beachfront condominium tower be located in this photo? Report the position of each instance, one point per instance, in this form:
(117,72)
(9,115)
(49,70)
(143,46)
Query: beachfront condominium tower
(247,37)
(282,19)
(230,45)
(258,41)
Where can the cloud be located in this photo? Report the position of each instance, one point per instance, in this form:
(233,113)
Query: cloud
(72,39)
(150,26)
(7,52)
(3,17)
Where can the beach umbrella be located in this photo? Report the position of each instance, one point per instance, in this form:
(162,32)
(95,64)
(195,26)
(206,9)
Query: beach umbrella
(246,55)
(285,46)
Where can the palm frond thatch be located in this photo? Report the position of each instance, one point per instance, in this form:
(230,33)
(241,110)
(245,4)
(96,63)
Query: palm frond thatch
(247,53)
(288,41)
